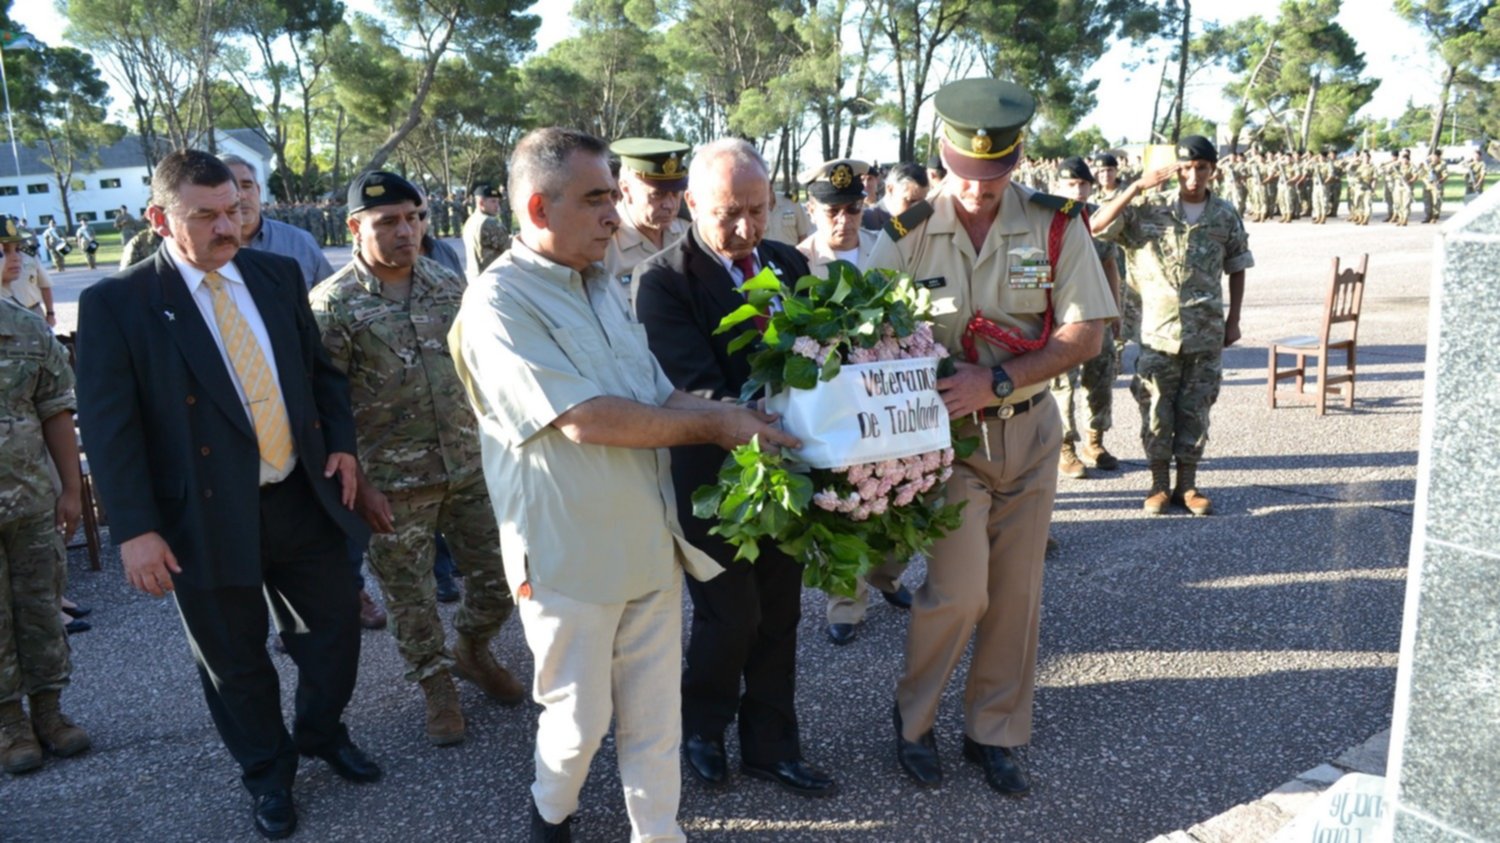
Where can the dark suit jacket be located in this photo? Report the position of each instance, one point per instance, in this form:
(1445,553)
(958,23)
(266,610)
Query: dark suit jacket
(170,446)
(684,292)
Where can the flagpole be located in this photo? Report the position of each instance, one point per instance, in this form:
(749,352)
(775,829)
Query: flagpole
(10,127)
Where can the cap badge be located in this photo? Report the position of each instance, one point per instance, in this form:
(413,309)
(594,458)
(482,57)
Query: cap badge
(981,142)
(374,190)
(1183,152)
(671,166)
(842,176)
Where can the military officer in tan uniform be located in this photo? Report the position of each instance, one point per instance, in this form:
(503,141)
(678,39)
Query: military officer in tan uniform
(836,200)
(485,237)
(653,174)
(787,221)
(1020,297)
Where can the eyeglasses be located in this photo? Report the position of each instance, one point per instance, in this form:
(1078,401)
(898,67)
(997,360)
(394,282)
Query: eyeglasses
(854,210)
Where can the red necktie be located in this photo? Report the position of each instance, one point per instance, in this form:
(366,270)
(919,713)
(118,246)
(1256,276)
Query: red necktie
(746,266)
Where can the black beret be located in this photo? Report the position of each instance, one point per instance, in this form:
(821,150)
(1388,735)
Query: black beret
(377,188)
(1074,168)
(485,191)
(1197,148)
(1104,159)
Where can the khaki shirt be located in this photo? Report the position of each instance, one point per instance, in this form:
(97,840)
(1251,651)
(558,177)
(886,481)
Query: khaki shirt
(788,222)
(36,383)
(630,248)
(26,290)
(939,256)
(1180,267)
(534,339)
(413,420)
(819,256)
(484,240)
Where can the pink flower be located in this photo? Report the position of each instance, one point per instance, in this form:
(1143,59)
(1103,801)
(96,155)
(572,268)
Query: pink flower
(809,348)
(857,473)
(869,489)
(827,499)
(862,355)
(849,503)
(879,506)
(947,459)
(861,513)
(928,482)
(947,472)
(906,494)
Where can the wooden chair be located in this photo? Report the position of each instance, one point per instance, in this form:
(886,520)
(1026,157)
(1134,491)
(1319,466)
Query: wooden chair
(93,514)
(1346,292)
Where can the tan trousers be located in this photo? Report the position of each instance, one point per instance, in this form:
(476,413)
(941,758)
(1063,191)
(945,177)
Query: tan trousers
(886,578)
(984,580)
(594,661)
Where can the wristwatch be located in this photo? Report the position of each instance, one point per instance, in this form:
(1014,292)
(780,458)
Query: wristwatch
(1001,383)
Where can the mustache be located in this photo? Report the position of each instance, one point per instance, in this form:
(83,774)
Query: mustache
(227,240)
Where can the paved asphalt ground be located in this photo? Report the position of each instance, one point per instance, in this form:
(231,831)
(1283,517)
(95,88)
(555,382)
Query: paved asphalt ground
(1187,664)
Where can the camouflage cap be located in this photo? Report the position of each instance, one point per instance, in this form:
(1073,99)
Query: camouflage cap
(1197,148)
(11,231)
(835,182)
(1075,168)
(373,189)
(982,123)
(661,163)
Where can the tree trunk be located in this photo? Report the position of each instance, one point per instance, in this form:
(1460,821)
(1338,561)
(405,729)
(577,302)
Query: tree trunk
(1441,112)
(1156,106)
(414,112)
(1182,64)
(1244,108)
(1307,110)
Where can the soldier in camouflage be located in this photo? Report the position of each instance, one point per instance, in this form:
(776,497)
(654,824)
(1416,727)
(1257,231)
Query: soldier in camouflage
(485,238)
(1434,177)
(458,215)
(1107,171)
(1362,178)
(140,247)
(1474,174)
(36,427)
(1096,375)
(1401,176)
(438,215)
(385,318)
(1179,246)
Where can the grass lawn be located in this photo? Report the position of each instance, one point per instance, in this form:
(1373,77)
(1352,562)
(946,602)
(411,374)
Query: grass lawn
(1453,190)
(108,255)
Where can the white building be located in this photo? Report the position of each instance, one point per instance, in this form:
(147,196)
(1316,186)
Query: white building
(121,178)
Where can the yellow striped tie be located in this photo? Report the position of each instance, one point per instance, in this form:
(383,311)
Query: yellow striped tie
(261,391)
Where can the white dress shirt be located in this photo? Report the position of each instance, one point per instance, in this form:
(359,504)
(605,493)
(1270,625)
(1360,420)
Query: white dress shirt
(240,294)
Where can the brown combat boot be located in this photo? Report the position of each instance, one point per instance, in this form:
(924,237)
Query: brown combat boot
(1095,455)
(445,720)
(1161,484)
(1068,464)
(56,732)
(1187,493)
(473,662)
(19,751)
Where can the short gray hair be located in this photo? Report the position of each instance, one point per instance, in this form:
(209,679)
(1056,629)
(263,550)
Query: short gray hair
(539,163)
(237,161)
(737,150)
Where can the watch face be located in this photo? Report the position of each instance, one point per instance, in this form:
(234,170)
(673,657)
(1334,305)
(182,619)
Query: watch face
(1003,386)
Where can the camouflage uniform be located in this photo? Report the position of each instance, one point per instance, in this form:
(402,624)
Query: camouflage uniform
(1096,375)
(1179,268)
(1434,178)
(140,247)
(1362,192)
(1321,174)
(438,216)
(1474,173)
(36,383)
(1402,174)
(126,225)
(458,215)
(484,240)
(419,444)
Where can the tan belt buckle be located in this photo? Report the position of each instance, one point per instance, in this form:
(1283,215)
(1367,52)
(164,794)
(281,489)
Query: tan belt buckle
(1006,411)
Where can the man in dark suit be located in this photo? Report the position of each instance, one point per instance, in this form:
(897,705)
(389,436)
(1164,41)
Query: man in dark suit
(222,443)
(744,620)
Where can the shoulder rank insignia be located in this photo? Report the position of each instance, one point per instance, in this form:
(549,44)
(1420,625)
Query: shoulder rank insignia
(900,226)
(1066,207)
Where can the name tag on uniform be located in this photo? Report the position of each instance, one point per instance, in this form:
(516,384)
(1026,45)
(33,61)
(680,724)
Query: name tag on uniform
(625,279)
(420,318)
(932,283)
(1029,270)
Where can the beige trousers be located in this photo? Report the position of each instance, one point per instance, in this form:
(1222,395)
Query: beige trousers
(596,661)
(984,580)
(886,578)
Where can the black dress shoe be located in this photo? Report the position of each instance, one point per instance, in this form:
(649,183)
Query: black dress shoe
(1001,769)
(705,757)
(545,832)
(842,633)
(900,598)
(348,761)
(918,758)
(794,776)
(77,611)
(75,626)
(275,815)
(447,590)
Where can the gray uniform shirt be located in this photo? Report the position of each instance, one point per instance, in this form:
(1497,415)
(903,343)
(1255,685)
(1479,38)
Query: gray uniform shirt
(278,238)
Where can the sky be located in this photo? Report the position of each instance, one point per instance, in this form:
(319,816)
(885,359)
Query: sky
(1395,53)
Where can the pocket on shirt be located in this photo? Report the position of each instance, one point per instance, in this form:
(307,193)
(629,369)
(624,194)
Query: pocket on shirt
(1023,301)
(584,348)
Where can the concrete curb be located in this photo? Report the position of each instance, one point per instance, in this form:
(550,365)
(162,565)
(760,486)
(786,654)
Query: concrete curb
(1262,819)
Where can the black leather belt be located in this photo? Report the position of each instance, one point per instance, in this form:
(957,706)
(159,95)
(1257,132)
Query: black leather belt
(1005,411)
